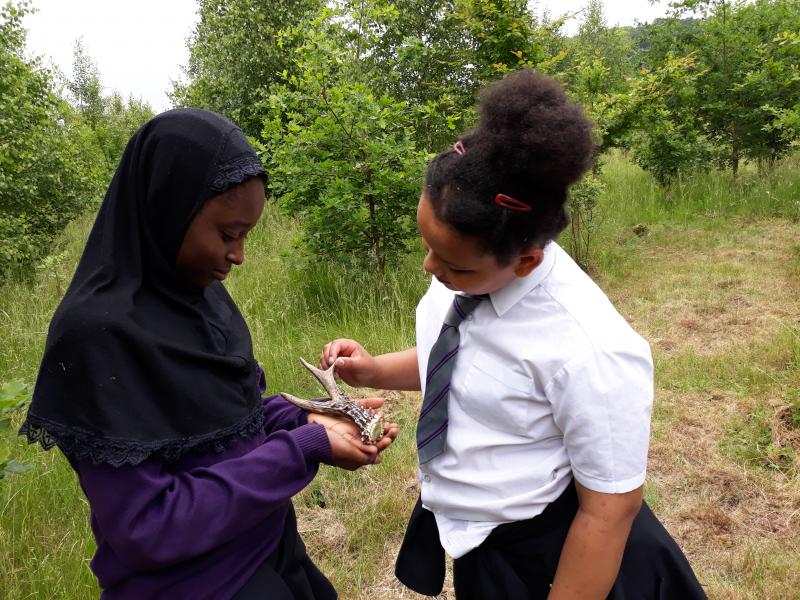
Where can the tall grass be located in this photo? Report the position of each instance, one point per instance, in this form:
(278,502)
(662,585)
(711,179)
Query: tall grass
(294,305)
(632,196)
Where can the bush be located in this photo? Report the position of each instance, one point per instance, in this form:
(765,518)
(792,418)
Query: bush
(46,175)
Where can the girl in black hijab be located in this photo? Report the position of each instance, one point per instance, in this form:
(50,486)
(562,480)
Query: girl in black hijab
(149,385)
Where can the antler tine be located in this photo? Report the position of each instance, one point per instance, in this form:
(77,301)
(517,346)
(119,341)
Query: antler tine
(325,378)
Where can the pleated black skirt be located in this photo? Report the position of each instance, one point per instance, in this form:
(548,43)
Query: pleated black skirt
(288,573)
(518,561)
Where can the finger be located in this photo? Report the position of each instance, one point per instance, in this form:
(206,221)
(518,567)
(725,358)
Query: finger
(384,443)
(387,440)
(360,459)
(342,365)
(332,351)
(323,360)
(354,438)
(372,403)
(342,347)
(369,449)
(391,430)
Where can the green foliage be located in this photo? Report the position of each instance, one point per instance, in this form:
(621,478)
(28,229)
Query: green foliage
(13,396)
(85,85)
(44,181)
(583,209)
(652,118)
(503,35)
(747,87)
(597,60)
(420,55)
(235,56)
(340,155)
(55,159)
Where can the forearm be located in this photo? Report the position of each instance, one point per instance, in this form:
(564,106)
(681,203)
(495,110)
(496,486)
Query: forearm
(152,517)
(397,371)
(591,557)
(280,414)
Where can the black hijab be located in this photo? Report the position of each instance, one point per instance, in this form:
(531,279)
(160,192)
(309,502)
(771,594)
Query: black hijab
(139,363)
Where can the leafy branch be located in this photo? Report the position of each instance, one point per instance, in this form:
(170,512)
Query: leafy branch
(13,396)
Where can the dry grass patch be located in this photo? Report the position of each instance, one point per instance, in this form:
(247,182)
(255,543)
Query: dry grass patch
(720,309)
(704,290)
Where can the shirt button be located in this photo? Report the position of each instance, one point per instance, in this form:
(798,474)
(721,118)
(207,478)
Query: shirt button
(470,317)
(426,479)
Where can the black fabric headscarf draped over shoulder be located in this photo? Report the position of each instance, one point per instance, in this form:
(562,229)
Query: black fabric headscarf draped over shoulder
(137,362)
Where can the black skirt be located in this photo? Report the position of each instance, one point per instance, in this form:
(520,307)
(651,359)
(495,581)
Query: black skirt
(518,561)
(288,573)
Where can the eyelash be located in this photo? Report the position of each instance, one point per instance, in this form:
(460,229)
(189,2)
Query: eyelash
(226,237)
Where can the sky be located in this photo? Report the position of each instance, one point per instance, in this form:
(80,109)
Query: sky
(139,46)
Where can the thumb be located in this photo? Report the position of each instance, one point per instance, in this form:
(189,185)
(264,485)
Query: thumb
(343,364)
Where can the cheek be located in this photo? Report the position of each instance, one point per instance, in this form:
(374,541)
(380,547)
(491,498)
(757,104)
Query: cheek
(200,252)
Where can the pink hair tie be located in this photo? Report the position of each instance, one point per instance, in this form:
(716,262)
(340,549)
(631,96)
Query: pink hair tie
(459,148)
(511,203)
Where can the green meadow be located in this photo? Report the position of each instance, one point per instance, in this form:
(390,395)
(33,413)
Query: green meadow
(708,272)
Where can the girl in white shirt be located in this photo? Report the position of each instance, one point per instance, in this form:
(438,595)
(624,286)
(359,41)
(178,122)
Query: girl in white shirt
(536,488)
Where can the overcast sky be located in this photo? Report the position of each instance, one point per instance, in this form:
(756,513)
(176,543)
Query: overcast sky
(140,45)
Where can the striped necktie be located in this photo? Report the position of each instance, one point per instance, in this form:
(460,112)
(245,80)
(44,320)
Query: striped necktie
(432,425)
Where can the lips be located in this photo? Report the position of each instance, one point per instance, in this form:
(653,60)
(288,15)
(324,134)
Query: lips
(220,274)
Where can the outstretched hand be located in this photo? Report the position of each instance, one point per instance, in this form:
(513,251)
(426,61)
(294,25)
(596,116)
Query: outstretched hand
(349,452)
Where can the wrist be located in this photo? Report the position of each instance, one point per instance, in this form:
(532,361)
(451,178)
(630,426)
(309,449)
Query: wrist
(314,443)
(373,377)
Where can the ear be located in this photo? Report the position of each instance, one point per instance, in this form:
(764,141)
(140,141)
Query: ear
(528,261)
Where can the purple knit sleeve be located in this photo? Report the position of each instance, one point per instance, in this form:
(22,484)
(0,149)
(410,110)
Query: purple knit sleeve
(153,517)
(279,414)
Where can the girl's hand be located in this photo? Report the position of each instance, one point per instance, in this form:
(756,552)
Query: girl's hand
(349,452)
(390,430)
(354,365)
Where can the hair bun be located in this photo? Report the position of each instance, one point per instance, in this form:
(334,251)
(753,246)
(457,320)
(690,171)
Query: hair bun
(528,126)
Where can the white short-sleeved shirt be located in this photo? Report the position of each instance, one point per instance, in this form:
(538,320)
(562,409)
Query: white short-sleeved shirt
(550,383)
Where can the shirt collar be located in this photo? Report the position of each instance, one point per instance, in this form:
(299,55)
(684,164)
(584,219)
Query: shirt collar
(506,297)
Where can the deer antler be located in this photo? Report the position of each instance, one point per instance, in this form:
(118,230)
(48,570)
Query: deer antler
(339,404)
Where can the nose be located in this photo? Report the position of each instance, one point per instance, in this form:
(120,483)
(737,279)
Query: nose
(236,253)
(431,264)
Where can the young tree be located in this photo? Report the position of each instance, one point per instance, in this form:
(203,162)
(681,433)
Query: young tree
(651,118)
(748,76)
(85,84)
(235,56)
(421,54)
(341,155)
(46,174)
(503,35)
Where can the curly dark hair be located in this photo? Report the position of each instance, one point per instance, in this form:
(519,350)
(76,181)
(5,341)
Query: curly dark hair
(531,143)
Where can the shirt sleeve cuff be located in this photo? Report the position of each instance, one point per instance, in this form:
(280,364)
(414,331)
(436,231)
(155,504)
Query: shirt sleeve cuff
(606,486)
(313,441)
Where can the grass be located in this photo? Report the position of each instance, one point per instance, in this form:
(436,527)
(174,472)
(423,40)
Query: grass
(709,273)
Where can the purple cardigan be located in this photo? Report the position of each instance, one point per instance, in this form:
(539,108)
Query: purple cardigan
(200,528)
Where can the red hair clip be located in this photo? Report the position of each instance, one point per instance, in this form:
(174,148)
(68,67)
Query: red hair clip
(511,203)
(459,148)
